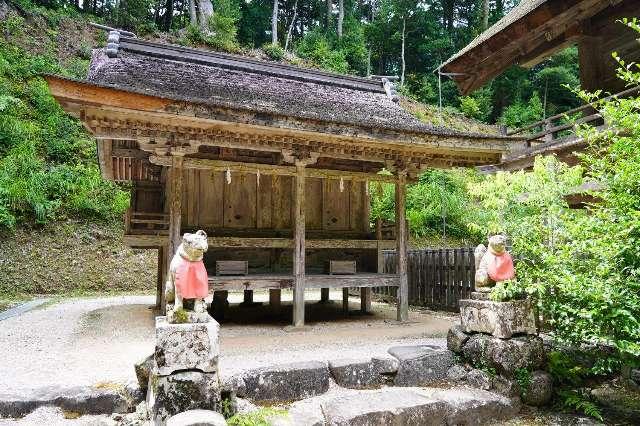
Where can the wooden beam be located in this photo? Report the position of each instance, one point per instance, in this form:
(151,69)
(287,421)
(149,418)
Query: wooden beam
(257,282)
(270,169)
(299,245)
(401,233)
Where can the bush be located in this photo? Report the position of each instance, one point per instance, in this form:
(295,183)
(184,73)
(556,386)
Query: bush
(222,24)
(316,48)
(273,51)
(470,107)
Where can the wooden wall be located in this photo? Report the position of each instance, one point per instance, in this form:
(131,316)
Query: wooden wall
(265,203)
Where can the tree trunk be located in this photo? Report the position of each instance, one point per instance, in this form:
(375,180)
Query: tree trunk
(327,22)
(340,17)
(193,18)
(404,65)
(205,8)
(293,20)
(274,23)
(448,10)
(485,14)
(168,15)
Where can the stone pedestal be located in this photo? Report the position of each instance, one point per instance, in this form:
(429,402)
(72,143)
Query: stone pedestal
(186,346)
(184,373)
(500,319)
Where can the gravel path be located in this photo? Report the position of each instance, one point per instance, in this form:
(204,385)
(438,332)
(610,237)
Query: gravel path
(87,341)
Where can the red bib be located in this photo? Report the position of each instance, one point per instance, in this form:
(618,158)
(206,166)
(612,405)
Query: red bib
(192,281)
(500,267)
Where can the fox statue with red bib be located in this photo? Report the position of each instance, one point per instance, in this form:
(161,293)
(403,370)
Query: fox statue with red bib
(493,264)
(187,275)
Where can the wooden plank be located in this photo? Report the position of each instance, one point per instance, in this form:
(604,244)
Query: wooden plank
(282,196)
(249,282)
(336,205)
(264,204)
(401,232)
(299,210)
(211,190)
(313,213)
(240,201)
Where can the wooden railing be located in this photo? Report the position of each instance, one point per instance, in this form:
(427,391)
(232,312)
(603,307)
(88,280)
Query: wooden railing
(553,129)
(146,223)
(438,278)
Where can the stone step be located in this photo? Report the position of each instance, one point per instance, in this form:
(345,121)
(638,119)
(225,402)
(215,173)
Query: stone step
(408,406)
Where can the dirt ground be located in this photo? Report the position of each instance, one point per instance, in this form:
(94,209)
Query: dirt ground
(86,341)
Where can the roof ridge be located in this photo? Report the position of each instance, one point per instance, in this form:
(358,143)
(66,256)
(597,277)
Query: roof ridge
(242,63)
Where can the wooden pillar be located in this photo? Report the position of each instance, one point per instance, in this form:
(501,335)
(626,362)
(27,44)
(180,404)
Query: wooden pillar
(275,298)
(324,295)
(299,246)
(345,300)
(401,240)
(365,299)
(175,215)
(160,277)
(248,297)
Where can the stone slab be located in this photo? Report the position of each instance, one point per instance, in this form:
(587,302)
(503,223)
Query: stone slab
(500,319)
(79,399)
(355,373)
(505,355)
(189,346)
(404,406)
(421,365)
(197,418)
(143,370)
(286,382)
(178,392)
(456,337)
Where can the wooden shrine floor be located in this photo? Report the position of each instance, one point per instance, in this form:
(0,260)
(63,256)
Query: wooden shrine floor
(312,281)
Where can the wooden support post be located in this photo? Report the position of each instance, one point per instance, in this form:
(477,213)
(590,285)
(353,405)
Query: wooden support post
(160,277)
(345,300)
(248,298)
(365,299)
(275,298)
(401,236)
(324,295)
(299,246)
(175,216)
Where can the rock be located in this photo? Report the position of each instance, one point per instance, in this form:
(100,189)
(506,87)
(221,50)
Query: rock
(506,356)
(385,364)
(178,392)
(501,319)
(79,399)
(540,389)
(504,386)
(134,393)
(188,316)
(197,418)
(480,295)
(620,402)
(186,346)
(243,406)
(288,382)
(421,365)
(479,379)
(456,373)
(354,373)
(456,337)
(635,377)
(403,406)
(143,369)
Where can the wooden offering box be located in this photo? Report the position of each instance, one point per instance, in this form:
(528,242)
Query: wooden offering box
(342,267)
(232,267)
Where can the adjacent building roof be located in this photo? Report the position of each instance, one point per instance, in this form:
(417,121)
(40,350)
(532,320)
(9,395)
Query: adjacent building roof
(530,32)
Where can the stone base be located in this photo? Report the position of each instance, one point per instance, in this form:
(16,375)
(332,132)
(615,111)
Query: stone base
(187,390)
(505,355)
(186,316)
(480,295)
(421,365)
(191,346)
(501,319)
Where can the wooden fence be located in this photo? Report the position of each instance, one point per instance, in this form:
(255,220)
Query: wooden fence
(438,278)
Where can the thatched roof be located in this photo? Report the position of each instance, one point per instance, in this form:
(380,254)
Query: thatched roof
(240,83)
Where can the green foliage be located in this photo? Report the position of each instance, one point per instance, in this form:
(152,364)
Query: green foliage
(523,377)
(47,165)
(223,26)
(505,291)
(478,105)
(519,114)
(316,48)
(273,51)
(256,418)
(580,402)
